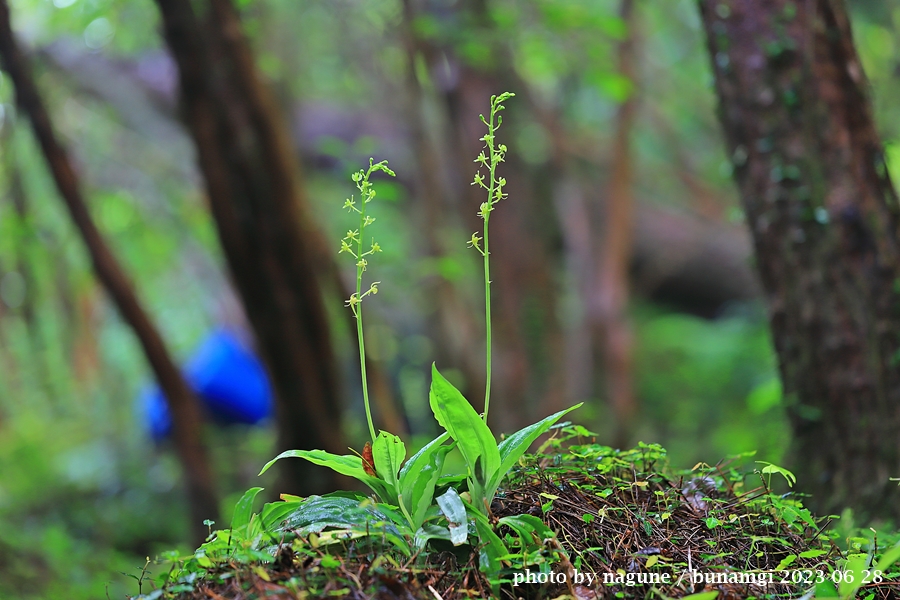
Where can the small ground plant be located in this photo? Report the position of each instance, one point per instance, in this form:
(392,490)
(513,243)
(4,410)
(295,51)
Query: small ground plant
(581,509)
(406,490)
(580,520)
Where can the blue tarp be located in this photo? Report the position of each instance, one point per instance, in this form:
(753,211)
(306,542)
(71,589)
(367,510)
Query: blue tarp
(227,377)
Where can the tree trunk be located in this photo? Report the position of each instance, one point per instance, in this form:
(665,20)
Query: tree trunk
(185,410)
(252,178)
(824,219)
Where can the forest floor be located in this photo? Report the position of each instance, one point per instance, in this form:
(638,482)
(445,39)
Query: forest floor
(627,526)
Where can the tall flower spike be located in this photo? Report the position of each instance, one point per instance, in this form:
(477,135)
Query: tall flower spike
(494,186)
(353,245)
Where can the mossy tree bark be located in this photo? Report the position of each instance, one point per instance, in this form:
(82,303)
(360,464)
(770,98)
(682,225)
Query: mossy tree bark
(824,219)
(261,212)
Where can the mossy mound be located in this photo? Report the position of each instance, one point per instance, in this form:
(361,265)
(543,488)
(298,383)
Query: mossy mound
(626,524)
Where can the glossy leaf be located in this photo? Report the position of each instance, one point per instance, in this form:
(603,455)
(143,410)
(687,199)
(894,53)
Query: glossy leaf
(274,513)
(430,531)
(473,438)
(455,512)
(514,446)
(243,510)
(388,452)
(319,513)
(419,476)
(493,551)
(530,529)
(350,466)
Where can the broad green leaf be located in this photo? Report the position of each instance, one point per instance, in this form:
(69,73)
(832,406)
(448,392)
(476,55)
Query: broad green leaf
(532,532)
(473,438)
(430,531)
(453,509)
(350,466)
(513,447)
(243,510)
(770,468)
(319,513)
(419,476)
(493,550)
(529,528)
(702,596)
(825,589)
(274,513)
(786,562)
(388,452)
(888,558)
(853,575)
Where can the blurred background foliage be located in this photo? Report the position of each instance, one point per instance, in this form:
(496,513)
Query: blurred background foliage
(85,494)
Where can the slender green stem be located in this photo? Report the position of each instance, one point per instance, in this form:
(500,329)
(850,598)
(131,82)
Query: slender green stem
(353,244)
(487,320)
(487,265)
(360,267)
(494,187)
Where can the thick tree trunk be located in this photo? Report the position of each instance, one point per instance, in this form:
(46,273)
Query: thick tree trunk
(252,179)
(824,219)
(185,410)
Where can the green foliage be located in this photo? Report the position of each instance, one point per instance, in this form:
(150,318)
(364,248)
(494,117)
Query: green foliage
(769,469)
(409,489)
(80,486)
(474,439)
(487,461)
(418,479)
(351,466)
(630,493)
(720,374)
